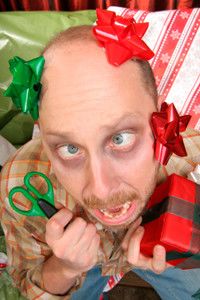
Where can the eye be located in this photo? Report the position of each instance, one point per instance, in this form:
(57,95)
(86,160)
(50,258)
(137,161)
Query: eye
(123,139)
(68,151)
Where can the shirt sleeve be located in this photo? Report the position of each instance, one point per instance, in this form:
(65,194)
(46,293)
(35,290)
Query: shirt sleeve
(26,249)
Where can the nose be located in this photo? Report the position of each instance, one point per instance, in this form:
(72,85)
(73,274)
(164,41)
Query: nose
(101,179)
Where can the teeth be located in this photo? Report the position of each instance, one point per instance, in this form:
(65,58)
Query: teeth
(107,214)
(122,211)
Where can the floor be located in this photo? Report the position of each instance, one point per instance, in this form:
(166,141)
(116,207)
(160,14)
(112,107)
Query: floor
(131,287)
(129,293)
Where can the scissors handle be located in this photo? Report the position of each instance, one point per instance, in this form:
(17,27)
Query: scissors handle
(32,194)
(49,195)
(33,211)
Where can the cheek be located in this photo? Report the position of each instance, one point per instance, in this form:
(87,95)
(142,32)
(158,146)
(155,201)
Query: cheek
(139,166)
(145,155)
(71,182)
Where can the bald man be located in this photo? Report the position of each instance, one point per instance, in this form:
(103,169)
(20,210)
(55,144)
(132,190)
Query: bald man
(96,146)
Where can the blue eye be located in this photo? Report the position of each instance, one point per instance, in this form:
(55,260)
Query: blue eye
(68,151)
(117,139)
(72,149)
(123,139)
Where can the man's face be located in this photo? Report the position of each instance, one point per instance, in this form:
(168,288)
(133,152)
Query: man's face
(94,121)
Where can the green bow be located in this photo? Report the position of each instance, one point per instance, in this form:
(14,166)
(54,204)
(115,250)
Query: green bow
(25,87)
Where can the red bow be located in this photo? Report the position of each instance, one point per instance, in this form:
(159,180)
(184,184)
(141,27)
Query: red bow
(121,37)
(166,126)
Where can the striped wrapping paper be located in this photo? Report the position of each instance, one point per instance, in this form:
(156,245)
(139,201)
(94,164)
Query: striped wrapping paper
(174,36)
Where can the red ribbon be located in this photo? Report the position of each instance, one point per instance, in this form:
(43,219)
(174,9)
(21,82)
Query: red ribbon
(166,126)
(121,37)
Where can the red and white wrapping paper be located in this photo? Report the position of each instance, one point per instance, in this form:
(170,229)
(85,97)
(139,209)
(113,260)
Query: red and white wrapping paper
(174,37)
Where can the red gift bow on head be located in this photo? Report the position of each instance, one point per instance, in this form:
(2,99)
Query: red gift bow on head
(121,37)
(166,126)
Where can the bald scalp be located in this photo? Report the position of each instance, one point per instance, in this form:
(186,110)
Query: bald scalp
(79,35)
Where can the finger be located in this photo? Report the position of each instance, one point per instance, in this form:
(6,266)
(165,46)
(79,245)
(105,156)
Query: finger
(55,225)
(58,205)
(94,246)
(91,255)
(74,232)
(129,233)
(134,246)
(87,237)
(159,259)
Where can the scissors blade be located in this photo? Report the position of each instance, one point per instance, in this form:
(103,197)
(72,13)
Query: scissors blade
(47,208)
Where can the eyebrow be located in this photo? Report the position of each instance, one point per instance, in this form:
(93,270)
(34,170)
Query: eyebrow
(136,117)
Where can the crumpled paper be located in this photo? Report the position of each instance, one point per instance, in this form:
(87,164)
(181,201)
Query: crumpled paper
(6,150)
(195,175)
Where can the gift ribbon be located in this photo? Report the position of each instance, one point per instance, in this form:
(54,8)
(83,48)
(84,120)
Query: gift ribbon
(121,37)
(166,127)
(172,255)
(175,206)
(25,87)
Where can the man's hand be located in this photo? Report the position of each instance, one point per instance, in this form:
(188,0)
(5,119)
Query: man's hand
(131,247)
(77,245)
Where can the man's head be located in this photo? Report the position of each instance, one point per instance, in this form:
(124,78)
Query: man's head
(94,121)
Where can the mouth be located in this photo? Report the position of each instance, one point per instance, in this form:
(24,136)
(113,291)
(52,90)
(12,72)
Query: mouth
(116,215)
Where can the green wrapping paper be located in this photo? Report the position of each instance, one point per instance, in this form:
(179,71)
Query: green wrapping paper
(7,289)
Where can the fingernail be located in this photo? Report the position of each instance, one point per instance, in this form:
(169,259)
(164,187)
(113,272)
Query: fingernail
(160,248)
(140,229)
(124,246)
(139,220)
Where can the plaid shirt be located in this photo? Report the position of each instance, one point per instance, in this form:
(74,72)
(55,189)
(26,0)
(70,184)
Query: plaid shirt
(25,236)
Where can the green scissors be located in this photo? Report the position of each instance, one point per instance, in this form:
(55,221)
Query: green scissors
(42,204)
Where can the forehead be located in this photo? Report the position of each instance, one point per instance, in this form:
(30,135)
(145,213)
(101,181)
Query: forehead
(80,65)
(80,83)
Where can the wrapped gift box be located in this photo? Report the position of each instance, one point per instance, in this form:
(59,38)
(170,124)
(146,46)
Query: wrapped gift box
(172,219)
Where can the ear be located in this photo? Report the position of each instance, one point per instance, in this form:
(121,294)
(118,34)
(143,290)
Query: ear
(36,129)
(37,123)
(160,101)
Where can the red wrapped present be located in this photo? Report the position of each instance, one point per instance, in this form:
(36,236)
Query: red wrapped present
(172,219)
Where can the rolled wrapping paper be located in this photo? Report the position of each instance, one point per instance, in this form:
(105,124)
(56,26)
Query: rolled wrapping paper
(195,175)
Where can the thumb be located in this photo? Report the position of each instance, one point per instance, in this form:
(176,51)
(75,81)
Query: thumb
(129,233)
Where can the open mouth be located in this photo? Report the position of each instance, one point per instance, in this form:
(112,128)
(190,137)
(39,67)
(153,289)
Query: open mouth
(116,215)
